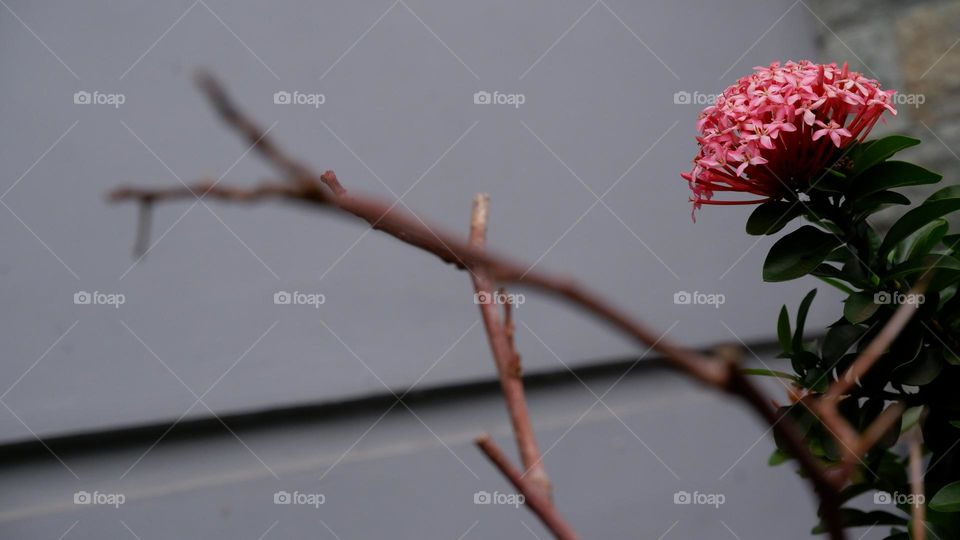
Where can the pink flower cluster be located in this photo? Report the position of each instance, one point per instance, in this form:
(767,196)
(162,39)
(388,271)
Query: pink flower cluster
(777,130)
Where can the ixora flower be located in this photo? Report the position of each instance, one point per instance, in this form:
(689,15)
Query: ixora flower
(777,130)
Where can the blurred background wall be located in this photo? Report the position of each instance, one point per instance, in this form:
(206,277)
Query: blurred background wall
(910,46)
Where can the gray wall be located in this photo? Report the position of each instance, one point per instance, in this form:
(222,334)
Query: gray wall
(399,117)
(616,466)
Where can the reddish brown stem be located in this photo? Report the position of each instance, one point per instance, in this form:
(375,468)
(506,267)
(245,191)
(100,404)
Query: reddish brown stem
(505,356)
(535,500)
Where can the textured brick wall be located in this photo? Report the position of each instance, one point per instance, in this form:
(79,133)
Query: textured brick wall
(914,47)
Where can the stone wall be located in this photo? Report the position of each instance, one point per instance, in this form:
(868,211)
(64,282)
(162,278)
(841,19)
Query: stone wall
(914,47)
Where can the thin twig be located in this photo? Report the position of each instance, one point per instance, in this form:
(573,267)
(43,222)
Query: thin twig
(505,356)
(919,509)
(534,499)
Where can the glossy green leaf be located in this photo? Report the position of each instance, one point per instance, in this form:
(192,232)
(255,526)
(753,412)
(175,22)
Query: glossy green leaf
(952,241)
(911,417)
(888,175)
(798,253)
(876,151)
(915,219)
(936,263)
(877,201)
(947,499)
(802,361)
(802,319)
(783,329)
(921,242)
(771,216)
(778,457)
(920,371)
(838,341)
(860,306)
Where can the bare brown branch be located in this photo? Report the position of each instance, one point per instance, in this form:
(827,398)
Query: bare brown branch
(505,357)
(539,504)
(918,509)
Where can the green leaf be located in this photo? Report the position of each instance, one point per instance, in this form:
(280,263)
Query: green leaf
(838,341)
(783,329)
(951,241)
(832,272)
(832,182)
(778,457)
(772,216)
(888,175)
(802,319)
(942,266)
(915,219)
(949,192)
(951,357)
(802,361)
(815,379)
(921,242)
(798,253)
(947,499)
(920,371)
(873,152)
(877,201)
(860,306)
(911,417)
